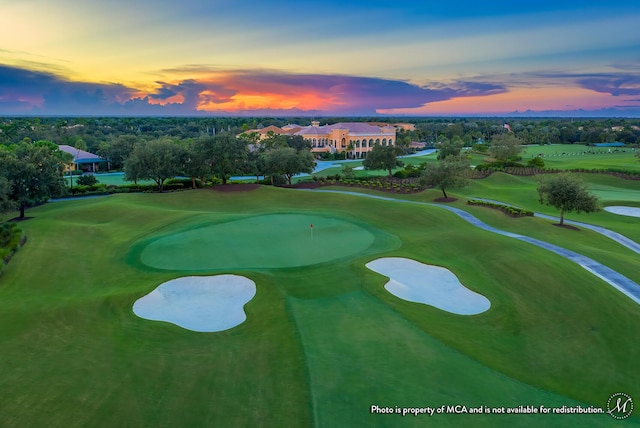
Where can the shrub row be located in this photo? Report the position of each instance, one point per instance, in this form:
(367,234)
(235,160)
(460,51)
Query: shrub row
(379,183)
(522,170)
(628,174)
(11,239)
(507,209)
(102,189)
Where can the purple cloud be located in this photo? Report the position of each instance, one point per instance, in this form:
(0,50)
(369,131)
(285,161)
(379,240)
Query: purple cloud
(37,92)
(615,85)
(46,93)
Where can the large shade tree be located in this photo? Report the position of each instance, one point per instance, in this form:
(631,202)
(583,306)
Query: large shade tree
(197,161)
(566,193)
(229,155)
(383,157)
(32,174)
(117,150)
(286,161)
(447,173)
(450,148)
(156,160)
(505,147)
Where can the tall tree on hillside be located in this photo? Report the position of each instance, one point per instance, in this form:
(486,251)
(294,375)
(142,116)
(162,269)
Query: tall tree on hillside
(506,146)
(156,160)
(34,173)
(382,157)
(447,173)
(566,193)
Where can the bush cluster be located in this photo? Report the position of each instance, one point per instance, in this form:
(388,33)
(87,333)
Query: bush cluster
(409,171)
(507,209)
(103,189)
(185,182)
(11,239)
(378,183)
(629,174)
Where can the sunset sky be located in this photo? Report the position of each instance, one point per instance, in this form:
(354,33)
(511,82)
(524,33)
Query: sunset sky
(346,58)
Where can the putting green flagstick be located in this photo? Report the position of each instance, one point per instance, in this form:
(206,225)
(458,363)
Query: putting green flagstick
(311,227)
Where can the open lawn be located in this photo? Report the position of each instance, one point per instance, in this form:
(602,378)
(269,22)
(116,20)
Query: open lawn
(567,156)
(323,340)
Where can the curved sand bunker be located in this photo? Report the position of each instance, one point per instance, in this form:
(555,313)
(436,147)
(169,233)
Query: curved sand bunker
(622,210)
(198,303)
(432,285)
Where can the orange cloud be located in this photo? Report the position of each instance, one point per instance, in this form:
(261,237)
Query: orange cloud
(248,99)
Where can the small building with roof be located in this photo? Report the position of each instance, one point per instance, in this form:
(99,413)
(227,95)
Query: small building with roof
(82,160)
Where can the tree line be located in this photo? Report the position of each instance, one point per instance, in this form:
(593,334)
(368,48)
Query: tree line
(32,172)
(220,155)
(94,131)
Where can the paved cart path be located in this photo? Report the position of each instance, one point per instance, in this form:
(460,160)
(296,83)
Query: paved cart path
(619,238)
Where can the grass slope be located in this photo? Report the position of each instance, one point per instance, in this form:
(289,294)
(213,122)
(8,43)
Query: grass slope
(361,353)
(321,343)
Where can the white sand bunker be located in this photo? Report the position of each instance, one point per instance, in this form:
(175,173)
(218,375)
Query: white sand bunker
(432,285)
(198,303)
(621,210)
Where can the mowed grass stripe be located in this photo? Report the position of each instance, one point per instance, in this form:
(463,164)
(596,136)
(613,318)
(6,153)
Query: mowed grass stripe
(361,353)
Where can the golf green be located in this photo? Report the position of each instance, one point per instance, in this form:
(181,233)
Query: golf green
(263,241)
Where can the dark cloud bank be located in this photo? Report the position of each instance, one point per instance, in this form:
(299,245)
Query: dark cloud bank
(28,92)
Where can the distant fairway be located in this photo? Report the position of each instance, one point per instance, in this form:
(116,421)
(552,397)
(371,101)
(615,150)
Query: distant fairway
(568,156)
(266,241)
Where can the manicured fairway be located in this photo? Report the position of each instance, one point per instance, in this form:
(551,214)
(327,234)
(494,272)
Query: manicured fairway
(397,364)
(323,340)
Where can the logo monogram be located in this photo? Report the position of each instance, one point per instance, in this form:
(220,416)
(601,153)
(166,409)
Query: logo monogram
(620,405)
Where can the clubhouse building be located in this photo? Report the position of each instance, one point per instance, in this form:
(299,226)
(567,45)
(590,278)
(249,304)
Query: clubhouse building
(354,138)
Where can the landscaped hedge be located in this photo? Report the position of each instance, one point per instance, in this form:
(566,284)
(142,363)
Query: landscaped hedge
(11,239)
(628,174)
(487,169)
(507,209)
(185,182)
(104,189)
(407,185)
